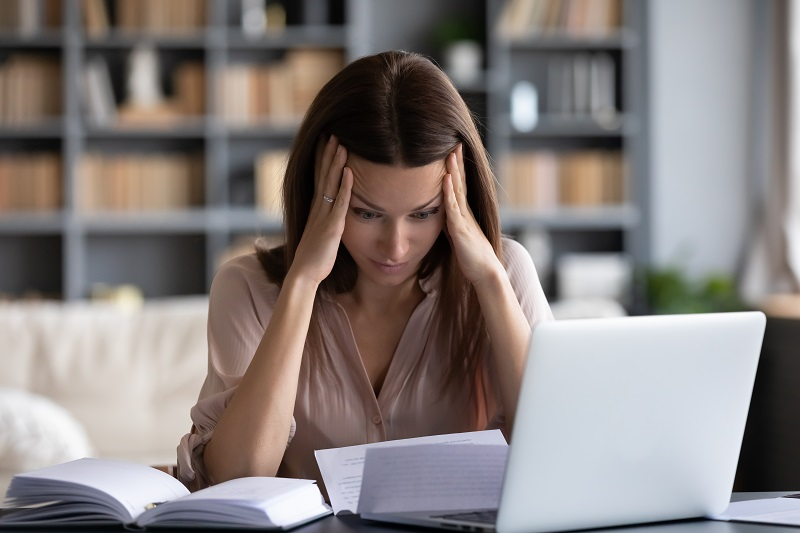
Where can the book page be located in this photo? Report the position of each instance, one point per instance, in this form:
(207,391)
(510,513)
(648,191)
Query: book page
(432,478)
(123,488)
(262,502)
(342,468)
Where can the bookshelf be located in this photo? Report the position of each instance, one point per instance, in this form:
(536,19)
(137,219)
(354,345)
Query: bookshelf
(151,179)
(567,111)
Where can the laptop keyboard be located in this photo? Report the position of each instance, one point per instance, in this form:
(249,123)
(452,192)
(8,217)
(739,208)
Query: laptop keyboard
(488,516)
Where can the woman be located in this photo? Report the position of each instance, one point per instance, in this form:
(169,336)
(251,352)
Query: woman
(394,309)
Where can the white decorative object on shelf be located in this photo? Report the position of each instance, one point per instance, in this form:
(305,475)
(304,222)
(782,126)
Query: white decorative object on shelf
(524,106)
(254,18)
(143,86)
(463,60)
(595,275)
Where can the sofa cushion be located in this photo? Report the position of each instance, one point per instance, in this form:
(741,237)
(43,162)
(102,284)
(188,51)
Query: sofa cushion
(36,432)
(129,376)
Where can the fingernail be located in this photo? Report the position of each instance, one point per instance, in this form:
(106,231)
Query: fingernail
(332,139)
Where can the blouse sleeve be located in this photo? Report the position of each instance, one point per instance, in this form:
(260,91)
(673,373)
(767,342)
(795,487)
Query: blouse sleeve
(525,282)
(530,295)
(241,301)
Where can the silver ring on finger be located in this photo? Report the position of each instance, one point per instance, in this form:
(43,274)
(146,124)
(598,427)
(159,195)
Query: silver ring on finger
(328,199)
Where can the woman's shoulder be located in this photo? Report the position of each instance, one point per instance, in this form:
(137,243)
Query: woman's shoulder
(515,255)
(241,266)
(242,274)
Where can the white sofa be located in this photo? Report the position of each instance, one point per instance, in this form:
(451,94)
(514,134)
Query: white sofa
(94,379)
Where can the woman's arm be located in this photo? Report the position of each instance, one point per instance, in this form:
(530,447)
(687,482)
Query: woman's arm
(506,324)
(250,437)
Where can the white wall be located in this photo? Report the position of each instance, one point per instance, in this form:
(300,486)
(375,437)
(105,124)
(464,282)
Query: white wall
(700,76)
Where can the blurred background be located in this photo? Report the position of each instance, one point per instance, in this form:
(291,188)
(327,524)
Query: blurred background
(637,143)
(645,150)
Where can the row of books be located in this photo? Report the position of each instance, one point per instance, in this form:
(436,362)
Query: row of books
(139,183)
(30,182)
(582,84)
(590,18)
(101,107)
(30,89)
(144,16)
(545,179)
(536,179)
(30,17)
(278,92)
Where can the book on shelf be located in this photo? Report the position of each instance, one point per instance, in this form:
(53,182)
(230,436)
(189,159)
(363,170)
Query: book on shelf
(140,182)
(30,88)
(27,17)
(575,18)
(546,179)
(104,491)
(30,182)
(159,17)
(582,85)
(279,92)
(100,105)
(189,81)
(95,18)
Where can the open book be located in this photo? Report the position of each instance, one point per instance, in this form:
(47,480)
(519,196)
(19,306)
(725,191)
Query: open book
(102,491)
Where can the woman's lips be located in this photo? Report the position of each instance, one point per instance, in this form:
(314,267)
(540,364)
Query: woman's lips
(390,268)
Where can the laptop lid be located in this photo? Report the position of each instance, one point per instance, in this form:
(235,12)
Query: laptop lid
(629,420)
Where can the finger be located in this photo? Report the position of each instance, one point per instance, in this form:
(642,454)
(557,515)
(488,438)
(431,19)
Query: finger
(333,179)
(326,152)
(452,209)
(459,186)
(461,169)
(345,190)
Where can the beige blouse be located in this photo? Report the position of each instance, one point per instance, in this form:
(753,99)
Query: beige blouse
(337,406)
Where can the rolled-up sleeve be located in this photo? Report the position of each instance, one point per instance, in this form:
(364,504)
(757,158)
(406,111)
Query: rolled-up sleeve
(241,301)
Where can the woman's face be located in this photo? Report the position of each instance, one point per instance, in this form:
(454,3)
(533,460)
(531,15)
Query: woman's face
(394,218)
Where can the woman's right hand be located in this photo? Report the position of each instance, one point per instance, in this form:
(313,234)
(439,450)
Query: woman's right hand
(316,252)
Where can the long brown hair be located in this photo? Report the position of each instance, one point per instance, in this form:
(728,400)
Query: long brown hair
(396,108)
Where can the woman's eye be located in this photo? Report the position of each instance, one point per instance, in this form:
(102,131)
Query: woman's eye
(424,215)
(367,215)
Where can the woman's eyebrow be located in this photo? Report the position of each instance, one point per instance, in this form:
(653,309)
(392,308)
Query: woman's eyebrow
(378,208)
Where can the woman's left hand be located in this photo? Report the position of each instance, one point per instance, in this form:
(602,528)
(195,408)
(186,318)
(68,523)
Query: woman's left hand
(473,251)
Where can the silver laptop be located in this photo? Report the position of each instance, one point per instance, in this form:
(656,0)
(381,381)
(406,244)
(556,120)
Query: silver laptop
(622,421)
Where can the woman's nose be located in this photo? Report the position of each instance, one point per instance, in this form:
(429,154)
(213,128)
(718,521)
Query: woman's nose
(394,242)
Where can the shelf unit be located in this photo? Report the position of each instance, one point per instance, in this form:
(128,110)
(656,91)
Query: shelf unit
(617,221)
(64,252)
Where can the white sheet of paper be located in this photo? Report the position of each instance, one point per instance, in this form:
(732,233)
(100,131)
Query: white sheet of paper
(432,478)
(342,468)
(769,511)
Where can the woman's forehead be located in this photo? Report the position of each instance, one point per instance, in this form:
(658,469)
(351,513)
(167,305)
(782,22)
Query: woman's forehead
(385,185)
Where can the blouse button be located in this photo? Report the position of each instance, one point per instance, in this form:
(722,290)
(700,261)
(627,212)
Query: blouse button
(376,419)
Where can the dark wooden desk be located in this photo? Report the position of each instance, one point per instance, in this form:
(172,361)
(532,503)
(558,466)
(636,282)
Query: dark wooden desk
(353,524)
